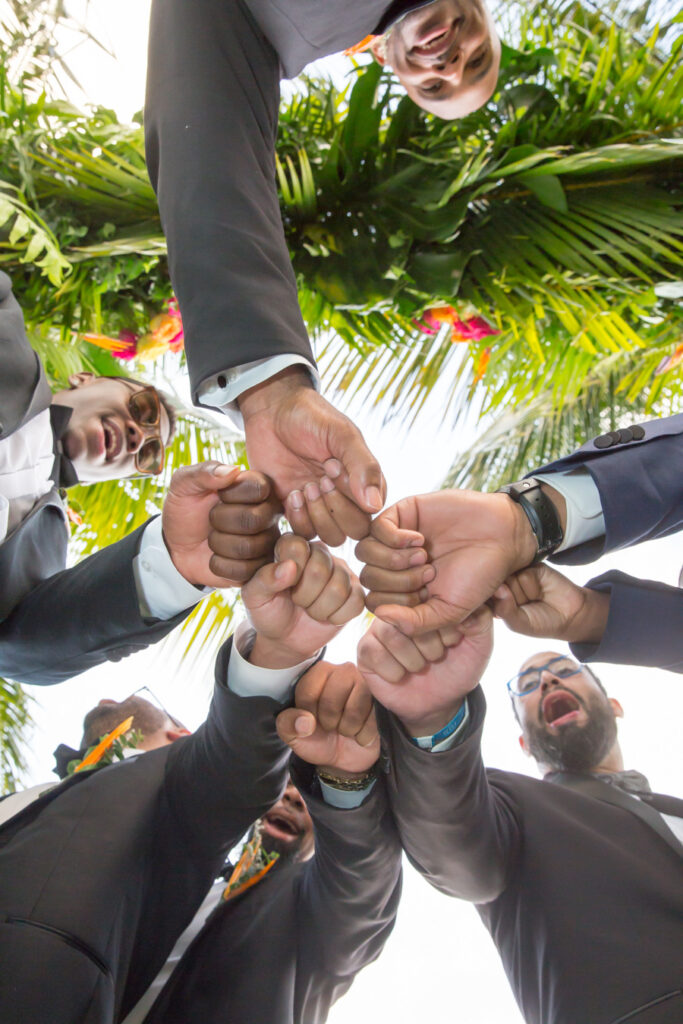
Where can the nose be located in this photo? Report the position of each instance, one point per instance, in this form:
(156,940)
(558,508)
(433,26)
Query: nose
(292,797)
(135,436)
(548,679)
(105,700)
(451,69)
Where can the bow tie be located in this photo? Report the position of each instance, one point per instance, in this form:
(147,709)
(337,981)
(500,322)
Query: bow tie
(629,781)
(63,472)
(63,755)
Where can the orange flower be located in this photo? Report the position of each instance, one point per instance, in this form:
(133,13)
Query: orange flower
(669,362)
(96,753)
(482,363)
(360,47)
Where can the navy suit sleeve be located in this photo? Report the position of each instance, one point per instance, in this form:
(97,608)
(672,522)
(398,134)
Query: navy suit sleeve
(644,625)
(210,126)
(79,618)
(640,484)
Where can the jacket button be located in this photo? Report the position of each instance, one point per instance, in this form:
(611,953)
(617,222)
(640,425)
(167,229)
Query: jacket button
(625,435)
(637,432)
(604,441)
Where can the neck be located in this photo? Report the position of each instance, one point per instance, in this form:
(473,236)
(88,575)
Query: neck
(613,761)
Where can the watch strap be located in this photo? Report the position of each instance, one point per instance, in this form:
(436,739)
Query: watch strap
(541,513)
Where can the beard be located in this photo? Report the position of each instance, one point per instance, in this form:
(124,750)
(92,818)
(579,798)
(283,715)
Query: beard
(577,748)
(288,850)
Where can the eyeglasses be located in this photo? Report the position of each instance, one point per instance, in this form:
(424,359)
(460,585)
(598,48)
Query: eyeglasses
(530,679)
(153,699)
(145,408)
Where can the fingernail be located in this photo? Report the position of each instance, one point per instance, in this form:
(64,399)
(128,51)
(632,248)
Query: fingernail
(373,498)
(428,574)
(281,571)
(296,500)
(222,470)
(423,594)
(312,492)
(418,542)
(327,485)
(419,558)
(333,467)
(303,726)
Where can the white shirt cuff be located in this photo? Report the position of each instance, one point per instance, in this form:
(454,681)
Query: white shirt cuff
(247,680)
(344,798)
(425,742)
(162,591)
(585,519)
(223,389)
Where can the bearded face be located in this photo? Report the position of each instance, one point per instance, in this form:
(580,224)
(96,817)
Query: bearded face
(571,731)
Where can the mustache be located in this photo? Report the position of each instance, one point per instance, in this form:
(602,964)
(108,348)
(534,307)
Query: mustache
(559,689)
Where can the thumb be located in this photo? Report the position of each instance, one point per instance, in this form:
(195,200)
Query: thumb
(270,580)
(366,482)
(430,615)
(294,726)
(189,481)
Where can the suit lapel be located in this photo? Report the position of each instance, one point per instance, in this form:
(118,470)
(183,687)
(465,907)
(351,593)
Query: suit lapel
(613,795)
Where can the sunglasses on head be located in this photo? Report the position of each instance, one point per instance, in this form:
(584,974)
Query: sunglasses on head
(145,408)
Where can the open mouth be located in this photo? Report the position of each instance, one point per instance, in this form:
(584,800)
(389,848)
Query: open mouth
(559,708)
(435,40)
(280,825)
(113,439)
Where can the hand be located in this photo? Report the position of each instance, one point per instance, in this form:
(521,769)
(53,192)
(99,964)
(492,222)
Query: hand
(244,527)
(423,680)
(333,724)
(299,603)
(474,541)
(542,602)
(297,437)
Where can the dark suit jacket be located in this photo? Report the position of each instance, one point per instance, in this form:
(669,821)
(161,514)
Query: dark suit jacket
(210,126)
(100,875)
(288,948)
(57,622)
(583,900)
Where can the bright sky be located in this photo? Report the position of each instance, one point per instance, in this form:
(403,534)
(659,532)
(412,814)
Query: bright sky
(439,963)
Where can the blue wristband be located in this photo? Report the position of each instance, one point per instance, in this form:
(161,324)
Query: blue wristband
(447,730)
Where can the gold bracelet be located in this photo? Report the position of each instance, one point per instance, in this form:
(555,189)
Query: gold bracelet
(349,785)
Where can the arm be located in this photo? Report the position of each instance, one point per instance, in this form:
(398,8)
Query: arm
(458,831)
(25,390)
(95,611)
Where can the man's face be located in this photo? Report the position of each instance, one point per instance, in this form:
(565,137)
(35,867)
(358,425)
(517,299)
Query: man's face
(287,827)
(567,721)
(446,55)
(103,437)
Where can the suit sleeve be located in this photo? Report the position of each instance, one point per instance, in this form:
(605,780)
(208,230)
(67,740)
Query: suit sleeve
(349,892)
(229,772)
(210,127)
(640,484)
(79,618)
(23,387)
(460,832)
(644,625)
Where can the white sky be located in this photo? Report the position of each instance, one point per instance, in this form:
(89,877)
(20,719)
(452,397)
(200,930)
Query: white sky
(439,963)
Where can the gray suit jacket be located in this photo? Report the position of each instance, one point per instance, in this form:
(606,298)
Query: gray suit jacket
(57,622)
(583,900)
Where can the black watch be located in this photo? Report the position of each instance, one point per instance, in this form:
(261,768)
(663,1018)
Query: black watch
(541,513)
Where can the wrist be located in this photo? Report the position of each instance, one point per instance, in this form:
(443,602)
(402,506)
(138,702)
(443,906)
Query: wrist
(341,778)
(271,392)
(590,622)
(430,725)
(272,654)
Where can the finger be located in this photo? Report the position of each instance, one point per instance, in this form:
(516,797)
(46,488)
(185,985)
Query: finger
(352,607)
(243,548)
(206,476)
(249,488)
(407,653)
(377,599)
(323,522)
(368,734)
(289,546)
(235,572)
(431,646)
(297,515)
(243,518)
(270,580)
(397,527)
(334,696)
(311,685)
(373,552)
(356,709)
(404,582)
(428,615)
(293,726)
(334,595)
(314,578)
(352,520)
(374,658)
(366,483)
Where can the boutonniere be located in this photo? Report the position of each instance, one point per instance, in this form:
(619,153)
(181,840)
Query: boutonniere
(109,748)
(254,863)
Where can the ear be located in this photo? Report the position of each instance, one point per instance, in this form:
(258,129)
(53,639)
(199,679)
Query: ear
(377,48)
(616,708)
(175,734)
(82,379)
(523,746)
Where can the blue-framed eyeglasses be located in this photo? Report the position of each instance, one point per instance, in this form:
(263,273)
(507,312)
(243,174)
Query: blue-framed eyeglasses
(530,679)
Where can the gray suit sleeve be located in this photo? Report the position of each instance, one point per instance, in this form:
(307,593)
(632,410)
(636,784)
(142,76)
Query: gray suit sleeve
(210,127)
(461,833)
(349,891)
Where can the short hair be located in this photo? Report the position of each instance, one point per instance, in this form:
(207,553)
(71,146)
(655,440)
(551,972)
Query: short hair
(585,668)
(101,719)
(165,400)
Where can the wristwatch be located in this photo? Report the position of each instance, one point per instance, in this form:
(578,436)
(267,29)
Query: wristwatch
(541,513)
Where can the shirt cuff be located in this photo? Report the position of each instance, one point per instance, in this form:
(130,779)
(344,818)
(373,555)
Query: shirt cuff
(247,680)
(163,592)
(223,389)
(344,798)
(425,742)
(585,518)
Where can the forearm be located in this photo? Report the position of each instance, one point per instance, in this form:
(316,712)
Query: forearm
(210,126)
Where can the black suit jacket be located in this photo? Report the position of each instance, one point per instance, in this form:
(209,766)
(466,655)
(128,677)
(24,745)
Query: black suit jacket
(640,482)
(100,875)
(57,622)
(583,900)
(288,948)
